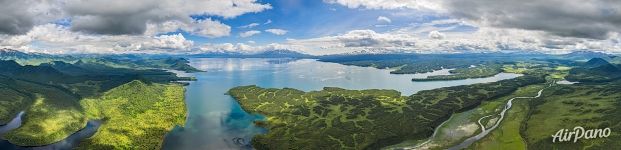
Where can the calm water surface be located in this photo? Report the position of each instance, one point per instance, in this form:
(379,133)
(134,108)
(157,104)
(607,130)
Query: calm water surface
(216,121)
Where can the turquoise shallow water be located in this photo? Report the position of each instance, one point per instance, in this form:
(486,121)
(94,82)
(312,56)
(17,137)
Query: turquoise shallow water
(216,121)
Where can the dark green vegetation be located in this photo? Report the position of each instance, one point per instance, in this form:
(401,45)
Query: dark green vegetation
(465,65)
(480,71)
(422,63)
(360,119)
(594,70)
(139,104)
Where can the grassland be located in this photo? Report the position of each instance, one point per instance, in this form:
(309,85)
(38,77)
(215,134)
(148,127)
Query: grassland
(135,115)
(567,106)
(464,124)
(359,119)
(507,135)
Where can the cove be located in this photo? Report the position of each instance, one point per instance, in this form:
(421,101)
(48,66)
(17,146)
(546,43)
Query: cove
(216,121)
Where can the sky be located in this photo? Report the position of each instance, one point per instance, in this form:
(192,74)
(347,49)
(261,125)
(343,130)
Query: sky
(316,27)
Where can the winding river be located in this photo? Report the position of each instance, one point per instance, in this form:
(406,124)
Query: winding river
(484,131)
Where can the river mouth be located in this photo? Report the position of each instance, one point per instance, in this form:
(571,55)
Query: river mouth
(216,121)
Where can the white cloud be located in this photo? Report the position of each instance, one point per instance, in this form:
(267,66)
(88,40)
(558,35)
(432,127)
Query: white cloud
(249,33)
(55,39)
(251,25)
(570,18)
(384,19)
(277,31)
(206,28)
(436,35)
(242,48)
(116,17)
(210,28)
(176,41)
(387,4)
(269,21)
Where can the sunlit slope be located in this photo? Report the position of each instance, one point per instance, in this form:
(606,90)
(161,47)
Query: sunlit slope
(135,115)
(51,96)
(52,114)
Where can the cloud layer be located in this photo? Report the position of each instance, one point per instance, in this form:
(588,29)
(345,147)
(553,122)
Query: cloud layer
(120,26)
(117,17)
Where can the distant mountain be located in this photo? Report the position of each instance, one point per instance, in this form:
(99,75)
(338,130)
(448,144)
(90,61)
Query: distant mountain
(68,68)
(586,55)
(596,62)
(14,54)
(377,51)
(594,70)
(41,74)
(279,53)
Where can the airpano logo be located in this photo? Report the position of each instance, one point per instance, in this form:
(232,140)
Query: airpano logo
(565,135)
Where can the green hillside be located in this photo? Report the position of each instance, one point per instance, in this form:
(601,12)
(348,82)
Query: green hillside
(136,115)
(60,97)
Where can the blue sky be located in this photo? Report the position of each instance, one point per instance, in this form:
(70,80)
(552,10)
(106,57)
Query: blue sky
(308,19)
(310,26)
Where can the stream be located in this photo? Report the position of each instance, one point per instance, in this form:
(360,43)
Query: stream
(484,132)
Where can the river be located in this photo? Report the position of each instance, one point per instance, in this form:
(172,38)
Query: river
(484,131)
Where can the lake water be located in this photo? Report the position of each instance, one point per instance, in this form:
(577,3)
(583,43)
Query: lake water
(216,121)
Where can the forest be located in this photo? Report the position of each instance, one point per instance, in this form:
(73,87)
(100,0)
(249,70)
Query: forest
(360,119)
(59,96)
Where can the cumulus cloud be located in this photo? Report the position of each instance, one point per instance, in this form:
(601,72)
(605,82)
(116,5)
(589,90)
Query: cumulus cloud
(18,17)
(132,17)
(209,28)
(436,35)
(277,31)
(115,26)
(249,33)
(594,19)
(425,38)
(384,19)
(205,28)
(55,39)
(115,17)
(241,47)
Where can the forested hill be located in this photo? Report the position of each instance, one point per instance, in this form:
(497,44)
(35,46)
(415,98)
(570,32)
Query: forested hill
(52,95)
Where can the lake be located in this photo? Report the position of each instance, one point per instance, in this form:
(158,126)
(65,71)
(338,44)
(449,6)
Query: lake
(216,121)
